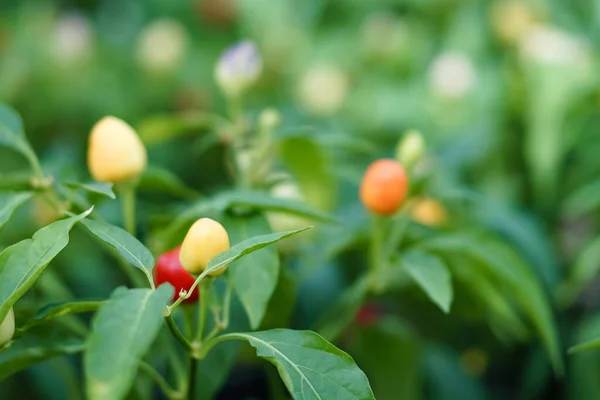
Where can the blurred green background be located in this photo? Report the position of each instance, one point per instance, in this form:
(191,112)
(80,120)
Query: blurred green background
(505,92)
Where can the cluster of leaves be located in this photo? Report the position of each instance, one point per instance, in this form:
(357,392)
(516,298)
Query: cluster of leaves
(513,162)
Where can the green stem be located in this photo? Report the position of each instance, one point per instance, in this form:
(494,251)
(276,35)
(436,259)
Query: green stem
(202,308)
(128,202)
(171,393)
(227,305)
(377,261)
(192,378)
(178,335)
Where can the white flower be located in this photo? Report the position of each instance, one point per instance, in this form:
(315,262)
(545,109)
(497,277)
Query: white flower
(323,90)
(162,46)
(549,45)
(238,68)
(71,39)
(452,75)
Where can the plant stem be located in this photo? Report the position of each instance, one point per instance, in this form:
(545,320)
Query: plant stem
(192,378)
(128,202)
(161,382)
(178,335)
(377,261)
(202,308)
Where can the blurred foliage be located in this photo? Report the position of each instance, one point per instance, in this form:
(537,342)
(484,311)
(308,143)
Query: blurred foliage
(505,93)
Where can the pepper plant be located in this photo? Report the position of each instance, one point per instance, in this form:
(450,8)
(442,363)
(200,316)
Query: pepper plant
(126,336)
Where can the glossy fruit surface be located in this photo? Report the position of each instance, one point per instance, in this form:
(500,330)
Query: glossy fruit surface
(205,239)
(384,187)
(115,152)
(169,269)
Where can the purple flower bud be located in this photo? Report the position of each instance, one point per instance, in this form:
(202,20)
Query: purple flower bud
(238,68)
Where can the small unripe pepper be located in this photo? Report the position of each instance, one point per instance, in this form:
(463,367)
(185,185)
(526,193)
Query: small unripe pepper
(168,269)
(384,187)
(204,240)
(410,148)
(115,152)
(428,212)
(7,328)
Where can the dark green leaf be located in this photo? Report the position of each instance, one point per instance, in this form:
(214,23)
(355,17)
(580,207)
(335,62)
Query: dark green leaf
(253,277)
(390,354)
(310,366)
(52,311)
(430,273)
(103,188)
(28,351)
(341,314)
(506,266)
(22,263)
(159,180)
(122,332)
(127,245)
(9,202)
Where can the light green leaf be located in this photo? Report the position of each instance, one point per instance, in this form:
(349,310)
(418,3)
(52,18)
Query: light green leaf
(430,273)
(310,366)
(258,200)
(244,248)
(253,277)
(591,345)
(11,131)
(22,263)
(160,180)
(9,202)
(52,311)
(103,188)
(309,166)
(122,332)
(160,128)
(127,245)
(27,351)
(584,269)
(583,200)
(505,265)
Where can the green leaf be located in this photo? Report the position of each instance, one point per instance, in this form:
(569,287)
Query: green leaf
(583,200)
(389,353)
(253,277)
(103,188)
(52,311)
(505,265)
(122,332)
(341,314)
(160,180)
(430,273)
(309,166)
(27,351)
(11,119)
(160,128)
(11,131)
(127,245)
(310,366)
(583,271)
(259,200)
(590,345)
(244,248)
(22,263)
(9,202)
